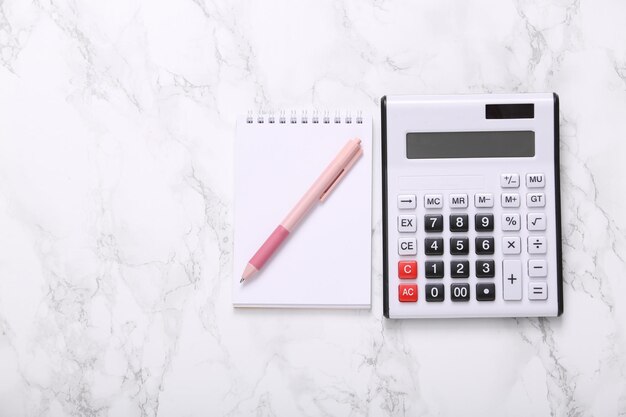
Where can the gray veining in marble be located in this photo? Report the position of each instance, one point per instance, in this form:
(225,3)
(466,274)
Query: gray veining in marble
(116,166)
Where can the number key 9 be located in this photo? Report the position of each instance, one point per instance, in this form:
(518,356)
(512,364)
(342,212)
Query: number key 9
(484,222)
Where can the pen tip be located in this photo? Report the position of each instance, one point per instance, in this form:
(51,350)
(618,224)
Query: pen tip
(242,280)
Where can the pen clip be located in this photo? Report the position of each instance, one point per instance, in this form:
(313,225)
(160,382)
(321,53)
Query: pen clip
(343,172)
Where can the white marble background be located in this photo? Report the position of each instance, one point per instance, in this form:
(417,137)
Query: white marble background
(116,166)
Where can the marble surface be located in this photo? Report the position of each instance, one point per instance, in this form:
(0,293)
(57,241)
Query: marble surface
(116,194)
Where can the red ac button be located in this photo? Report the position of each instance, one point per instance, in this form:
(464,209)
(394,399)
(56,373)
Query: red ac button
(407,293)
(407,269)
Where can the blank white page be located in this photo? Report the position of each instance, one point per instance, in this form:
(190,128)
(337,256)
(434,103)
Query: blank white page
(326,259)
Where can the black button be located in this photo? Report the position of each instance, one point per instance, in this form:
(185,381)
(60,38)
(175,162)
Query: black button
(434,269)
(485,269)
(484,245)
(485,292)
(459,245)
(435,292)
(433,246)
(460,292)
(433,223)
(483,222)
(459,269)
(458,222)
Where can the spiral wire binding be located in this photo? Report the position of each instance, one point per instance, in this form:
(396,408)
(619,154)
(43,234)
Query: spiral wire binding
(303,117)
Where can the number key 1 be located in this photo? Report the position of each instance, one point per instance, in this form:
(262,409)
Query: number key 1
(433,269)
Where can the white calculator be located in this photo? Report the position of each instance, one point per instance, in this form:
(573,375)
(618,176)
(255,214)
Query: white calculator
(471,206)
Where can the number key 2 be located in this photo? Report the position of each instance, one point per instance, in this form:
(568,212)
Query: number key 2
(459,269)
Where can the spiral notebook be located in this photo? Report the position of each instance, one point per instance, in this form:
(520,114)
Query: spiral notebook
(326,261)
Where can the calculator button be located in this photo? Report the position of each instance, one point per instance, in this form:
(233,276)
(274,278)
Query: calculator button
(510,200)
(483,200)
(535,181)
(485,269)
(407,201)
(407,293)
(407,246)
(433,246)
(458,200)
(535,200)
(512,279)
(407,223)
(460,292)
(433,223)
(537,268)
(484,245)
(433,201)
(510,221)
(485,292)
(483,222)
(511,245)
(407,269)
(536,221)
(458,223)
(509,180)
(536,244)
(433,269)
(459,269)
(459,246)
(435,292)
(537,291)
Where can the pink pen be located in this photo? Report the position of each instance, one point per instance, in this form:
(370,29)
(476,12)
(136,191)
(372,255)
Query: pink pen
(318,191)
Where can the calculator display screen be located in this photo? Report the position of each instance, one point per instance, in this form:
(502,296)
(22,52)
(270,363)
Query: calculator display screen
(488,144)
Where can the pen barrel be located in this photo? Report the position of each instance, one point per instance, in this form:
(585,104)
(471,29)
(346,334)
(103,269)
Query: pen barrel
(323,182)
(269,247)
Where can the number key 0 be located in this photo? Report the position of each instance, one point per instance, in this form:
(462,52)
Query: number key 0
(435,292)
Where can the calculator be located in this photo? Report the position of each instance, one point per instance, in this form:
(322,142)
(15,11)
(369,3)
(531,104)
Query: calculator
(471,206)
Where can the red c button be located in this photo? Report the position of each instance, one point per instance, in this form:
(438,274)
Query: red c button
(407,269)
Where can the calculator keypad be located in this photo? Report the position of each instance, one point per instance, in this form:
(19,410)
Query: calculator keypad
(477,265)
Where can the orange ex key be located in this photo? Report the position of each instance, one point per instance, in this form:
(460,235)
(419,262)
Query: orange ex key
(407,269)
